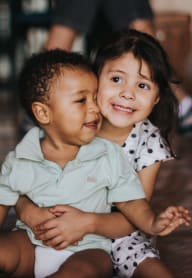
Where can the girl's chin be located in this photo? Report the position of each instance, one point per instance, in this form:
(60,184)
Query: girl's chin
(122,125)
(122,122)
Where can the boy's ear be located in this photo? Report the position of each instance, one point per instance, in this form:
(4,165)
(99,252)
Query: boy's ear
(41,112)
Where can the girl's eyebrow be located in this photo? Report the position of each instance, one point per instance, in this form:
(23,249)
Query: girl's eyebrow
(145,77)
(123,72)
(116,70)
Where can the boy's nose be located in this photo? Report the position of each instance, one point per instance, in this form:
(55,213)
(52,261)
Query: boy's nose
(93,107)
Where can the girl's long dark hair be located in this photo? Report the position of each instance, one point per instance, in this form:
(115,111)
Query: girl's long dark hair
(146,48)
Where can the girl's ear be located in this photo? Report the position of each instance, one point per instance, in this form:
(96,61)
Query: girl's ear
(41,112)
(156,101)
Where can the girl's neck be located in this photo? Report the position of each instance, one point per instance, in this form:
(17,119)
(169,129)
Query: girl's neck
(114,134)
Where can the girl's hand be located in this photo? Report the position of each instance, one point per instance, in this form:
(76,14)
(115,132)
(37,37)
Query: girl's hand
(67,228)
(167,221)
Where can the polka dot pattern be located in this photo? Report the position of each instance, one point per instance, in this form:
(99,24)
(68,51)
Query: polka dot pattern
(144,146)
(129,251)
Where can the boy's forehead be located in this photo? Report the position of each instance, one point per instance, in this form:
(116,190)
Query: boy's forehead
(74,70)
(75,77)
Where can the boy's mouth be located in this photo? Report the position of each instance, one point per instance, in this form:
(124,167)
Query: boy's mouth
(92,124)
(123,108)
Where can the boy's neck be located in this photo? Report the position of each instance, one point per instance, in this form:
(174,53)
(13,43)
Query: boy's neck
(114,134)
(60,154)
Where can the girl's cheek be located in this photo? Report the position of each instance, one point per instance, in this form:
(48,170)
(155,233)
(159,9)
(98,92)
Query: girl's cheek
(99,102)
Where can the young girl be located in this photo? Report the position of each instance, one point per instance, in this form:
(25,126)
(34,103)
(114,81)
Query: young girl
(139,110)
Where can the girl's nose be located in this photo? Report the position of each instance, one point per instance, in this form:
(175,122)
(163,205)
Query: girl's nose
(127,93)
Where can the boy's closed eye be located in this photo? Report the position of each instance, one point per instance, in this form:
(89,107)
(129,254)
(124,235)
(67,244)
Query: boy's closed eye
(81,100)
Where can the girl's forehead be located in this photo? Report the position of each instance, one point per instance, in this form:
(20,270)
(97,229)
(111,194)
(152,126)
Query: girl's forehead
(124,58)
(128,59)
(129,63)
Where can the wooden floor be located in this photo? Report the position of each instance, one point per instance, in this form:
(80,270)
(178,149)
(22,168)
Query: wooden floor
(174,186)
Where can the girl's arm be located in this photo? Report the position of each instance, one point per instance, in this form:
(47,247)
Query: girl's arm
(70,225)
(118,226)
(148,177)
(73,224)
(67,220)
(145,219)
(143,216)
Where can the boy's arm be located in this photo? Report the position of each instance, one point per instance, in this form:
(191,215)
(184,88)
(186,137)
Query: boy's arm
(3,213)
(30,213)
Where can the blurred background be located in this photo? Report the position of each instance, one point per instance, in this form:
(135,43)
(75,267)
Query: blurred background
(24,27)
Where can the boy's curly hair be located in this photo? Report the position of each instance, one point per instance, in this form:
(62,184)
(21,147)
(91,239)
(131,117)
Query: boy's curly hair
(41,71)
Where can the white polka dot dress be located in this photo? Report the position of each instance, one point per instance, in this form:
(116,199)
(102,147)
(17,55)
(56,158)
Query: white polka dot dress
(143,147)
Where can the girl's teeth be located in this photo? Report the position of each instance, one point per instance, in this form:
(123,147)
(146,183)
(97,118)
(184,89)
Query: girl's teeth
(123,108)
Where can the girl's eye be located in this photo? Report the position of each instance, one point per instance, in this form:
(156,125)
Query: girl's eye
(116,79)
(144,86)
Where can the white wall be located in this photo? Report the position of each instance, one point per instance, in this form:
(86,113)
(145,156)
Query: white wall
(180,6)
(172,5)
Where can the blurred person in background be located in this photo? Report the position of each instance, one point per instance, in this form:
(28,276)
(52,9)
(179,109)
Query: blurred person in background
(95,20)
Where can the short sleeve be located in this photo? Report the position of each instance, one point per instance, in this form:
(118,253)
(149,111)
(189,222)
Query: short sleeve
(126,185)
(8,196)
(154,150)
(145,146)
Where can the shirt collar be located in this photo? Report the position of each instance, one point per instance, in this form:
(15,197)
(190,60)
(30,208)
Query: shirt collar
(30,148)
(95,149)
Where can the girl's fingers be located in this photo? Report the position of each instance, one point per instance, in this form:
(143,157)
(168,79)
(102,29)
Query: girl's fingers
(53,242)
(178,212)
(49,224)
(48,234)
(59,209)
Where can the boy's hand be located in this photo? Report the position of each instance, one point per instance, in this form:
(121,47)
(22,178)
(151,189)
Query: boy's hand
(67,228)
(167,221)
(36,215)
(30,213)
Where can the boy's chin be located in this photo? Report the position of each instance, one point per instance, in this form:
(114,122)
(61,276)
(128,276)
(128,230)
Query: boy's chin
(87,140)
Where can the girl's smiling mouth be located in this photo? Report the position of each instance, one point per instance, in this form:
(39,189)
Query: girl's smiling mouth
(123,108)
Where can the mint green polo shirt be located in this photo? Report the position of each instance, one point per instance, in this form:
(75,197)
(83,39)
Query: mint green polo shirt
(99,175)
